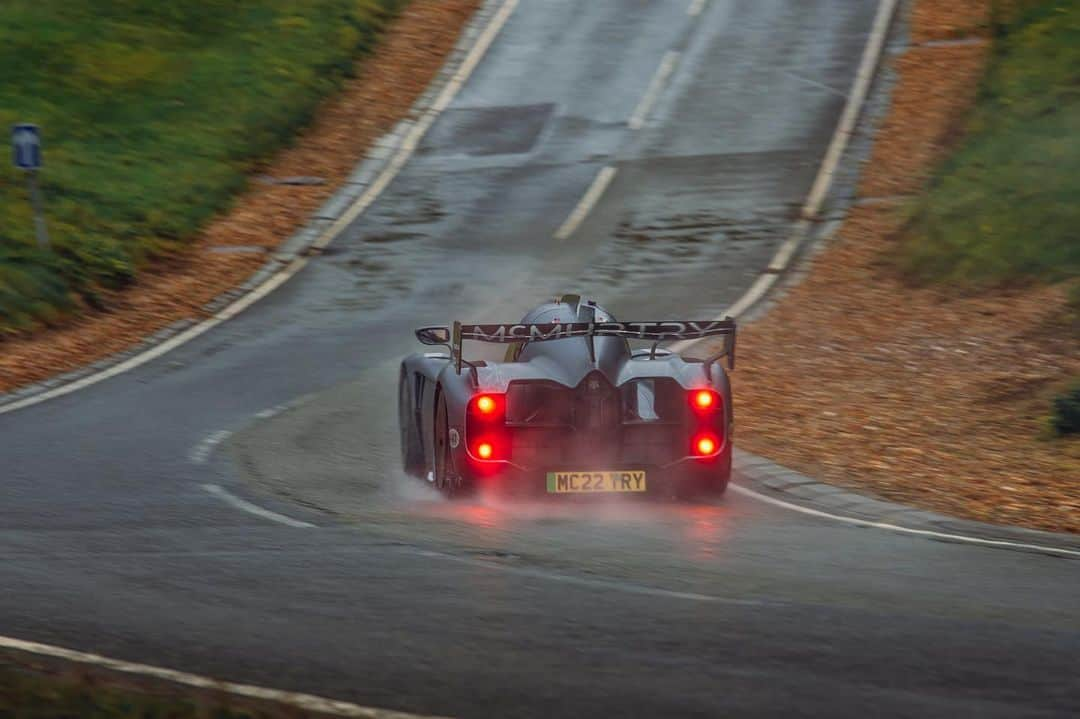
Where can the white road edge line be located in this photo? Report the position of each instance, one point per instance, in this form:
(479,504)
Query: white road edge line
(183,338)
(696,6)
(201,452)
(272,411)
(408,147)
(864,78)
(905,530)
(641,112)
(585,205)
(305,702)
(245,506)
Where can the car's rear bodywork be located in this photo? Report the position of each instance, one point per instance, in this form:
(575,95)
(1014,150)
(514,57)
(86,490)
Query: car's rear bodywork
(572,409)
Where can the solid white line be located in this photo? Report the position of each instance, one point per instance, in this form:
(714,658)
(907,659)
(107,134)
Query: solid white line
(759,289)
(246,506)
(585,205)
(696,6)
(409,145)
(864,76)
(304,702)
(202,451)
(272,411)
(637,119)
(183,338)
(786,251)
(897,528)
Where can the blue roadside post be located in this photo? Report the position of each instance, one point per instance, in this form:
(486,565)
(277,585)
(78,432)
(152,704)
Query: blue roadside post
(26,156)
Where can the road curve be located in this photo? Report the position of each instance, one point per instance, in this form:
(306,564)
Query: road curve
(311,565)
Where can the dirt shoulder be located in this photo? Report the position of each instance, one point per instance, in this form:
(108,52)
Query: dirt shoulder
(915,395)
(236,244)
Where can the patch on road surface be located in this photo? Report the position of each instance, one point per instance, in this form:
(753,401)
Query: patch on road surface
(506,130)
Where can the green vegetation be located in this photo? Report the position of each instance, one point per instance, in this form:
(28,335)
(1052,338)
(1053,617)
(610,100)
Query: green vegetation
(30,696)
(1005,207)
(1065,418)
(152,114)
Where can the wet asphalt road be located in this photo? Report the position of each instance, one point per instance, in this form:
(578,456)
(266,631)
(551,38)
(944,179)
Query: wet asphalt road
(109,542)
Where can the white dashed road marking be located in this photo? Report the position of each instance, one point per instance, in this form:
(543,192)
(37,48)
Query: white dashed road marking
(201,452)
(652,92)
(271,411)
(245,506)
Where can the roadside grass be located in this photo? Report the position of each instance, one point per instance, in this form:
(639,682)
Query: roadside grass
(152,114)
(35,694)
(1004,209)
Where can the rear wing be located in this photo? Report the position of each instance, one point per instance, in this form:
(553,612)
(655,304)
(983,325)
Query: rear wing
(654,332)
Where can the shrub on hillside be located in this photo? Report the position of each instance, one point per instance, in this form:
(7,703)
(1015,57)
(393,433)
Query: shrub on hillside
(1065,418)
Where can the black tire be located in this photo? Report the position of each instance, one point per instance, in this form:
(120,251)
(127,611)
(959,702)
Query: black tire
(447,480)
(441,449)
(412,450)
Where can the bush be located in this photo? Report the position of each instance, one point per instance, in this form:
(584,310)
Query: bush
(1065,417)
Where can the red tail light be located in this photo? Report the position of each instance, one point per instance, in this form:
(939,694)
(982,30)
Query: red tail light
(488,406)
(705,445)
(485,428)
(707,422)
(704,400)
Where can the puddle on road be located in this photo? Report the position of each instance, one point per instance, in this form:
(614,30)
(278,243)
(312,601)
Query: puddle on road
(666,249)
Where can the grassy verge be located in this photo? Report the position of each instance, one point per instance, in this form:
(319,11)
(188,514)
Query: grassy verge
(1003,209)
(153,114)
(31,695)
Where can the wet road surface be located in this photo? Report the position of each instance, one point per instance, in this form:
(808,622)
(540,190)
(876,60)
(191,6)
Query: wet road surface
(109,541)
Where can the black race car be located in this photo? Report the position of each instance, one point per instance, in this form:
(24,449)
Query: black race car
(571,409)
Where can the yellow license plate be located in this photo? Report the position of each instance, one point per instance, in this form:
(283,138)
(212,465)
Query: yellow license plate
(583,482)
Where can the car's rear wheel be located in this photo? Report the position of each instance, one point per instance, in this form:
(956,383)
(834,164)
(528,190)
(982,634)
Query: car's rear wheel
(412,451)
(447,480)
(442,447)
